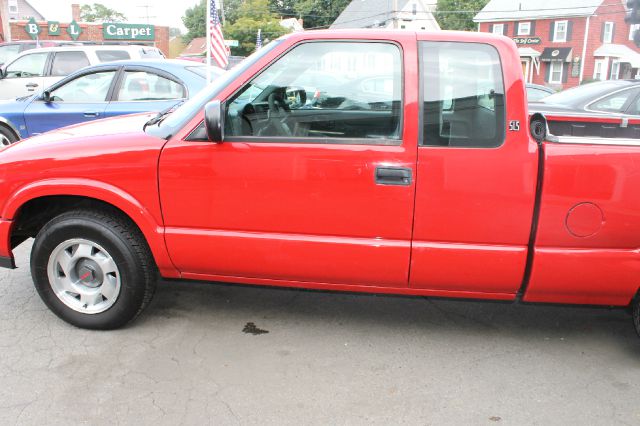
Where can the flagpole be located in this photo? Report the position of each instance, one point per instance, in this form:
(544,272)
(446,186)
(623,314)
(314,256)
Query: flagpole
(208,41)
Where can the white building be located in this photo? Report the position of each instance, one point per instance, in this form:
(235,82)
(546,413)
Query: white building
(393,14)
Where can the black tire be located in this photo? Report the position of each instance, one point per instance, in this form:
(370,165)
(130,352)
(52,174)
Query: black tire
(7,137)
(127,248)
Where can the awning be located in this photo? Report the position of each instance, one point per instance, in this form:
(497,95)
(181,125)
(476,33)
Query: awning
(556,54)
(528,52)
(620,51)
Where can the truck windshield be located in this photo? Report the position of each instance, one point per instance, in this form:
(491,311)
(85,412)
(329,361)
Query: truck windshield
(185,113)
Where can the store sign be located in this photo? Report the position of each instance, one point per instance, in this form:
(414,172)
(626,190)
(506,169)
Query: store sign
(527,40)
(116,31)
(32,28)
(53,28)
(74,30)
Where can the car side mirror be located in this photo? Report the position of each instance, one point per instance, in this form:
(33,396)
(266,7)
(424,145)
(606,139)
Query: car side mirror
(46,97)
(214,121)
(3,73)
(296,97)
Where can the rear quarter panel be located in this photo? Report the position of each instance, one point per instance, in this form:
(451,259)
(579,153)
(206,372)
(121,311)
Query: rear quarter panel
(588,237)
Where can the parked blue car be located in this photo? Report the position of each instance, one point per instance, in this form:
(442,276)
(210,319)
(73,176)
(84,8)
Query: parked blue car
(105,90)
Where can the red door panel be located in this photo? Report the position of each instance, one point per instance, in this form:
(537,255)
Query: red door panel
(294,211)
(290,211)
(474,204)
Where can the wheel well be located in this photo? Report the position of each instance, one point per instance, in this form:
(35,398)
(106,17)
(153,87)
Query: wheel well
(13,132)
(34,214)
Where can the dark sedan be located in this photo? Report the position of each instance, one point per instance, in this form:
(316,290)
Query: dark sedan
(608,109)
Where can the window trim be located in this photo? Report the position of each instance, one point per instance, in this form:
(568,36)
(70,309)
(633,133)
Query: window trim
(75,76)
(609,25)
(551,80)
(501,26)
(53,58)
(421,143)
(323,141)
(158,72)
(632,29)
(45,68)
(528,33)
(556,39)
(627,103)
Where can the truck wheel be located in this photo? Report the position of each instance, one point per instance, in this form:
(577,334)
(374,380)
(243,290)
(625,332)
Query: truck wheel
(6,137)
(93,269)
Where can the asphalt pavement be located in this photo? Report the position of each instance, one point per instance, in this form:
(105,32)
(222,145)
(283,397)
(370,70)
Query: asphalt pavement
(224,355)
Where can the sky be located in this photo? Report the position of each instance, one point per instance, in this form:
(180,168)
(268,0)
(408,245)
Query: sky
(166,12)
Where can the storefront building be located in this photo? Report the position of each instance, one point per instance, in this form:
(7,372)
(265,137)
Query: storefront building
(565,44)
(145,34)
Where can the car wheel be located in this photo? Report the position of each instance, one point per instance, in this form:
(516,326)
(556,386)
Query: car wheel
(93,269)
(6,137)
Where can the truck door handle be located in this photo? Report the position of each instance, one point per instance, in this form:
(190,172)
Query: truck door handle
(393,176)
(91,114)
(31,86)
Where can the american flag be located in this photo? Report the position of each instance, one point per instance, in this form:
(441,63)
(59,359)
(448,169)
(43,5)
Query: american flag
(218,49)
(259,40)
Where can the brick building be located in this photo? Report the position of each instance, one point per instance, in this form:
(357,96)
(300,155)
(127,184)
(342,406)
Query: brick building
(563,44)
(76,30)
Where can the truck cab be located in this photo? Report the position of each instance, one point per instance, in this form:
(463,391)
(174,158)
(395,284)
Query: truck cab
(369,161)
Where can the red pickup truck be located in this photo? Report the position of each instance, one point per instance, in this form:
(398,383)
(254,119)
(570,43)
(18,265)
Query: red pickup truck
(364,161)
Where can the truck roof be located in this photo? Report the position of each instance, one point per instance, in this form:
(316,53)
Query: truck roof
(383,34)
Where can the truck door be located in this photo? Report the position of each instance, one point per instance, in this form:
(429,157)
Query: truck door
(314,181)
(477,169)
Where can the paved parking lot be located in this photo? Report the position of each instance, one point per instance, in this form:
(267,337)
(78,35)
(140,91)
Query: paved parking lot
(326,359)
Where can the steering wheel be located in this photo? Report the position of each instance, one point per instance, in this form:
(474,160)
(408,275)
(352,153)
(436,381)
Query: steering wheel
(278,115)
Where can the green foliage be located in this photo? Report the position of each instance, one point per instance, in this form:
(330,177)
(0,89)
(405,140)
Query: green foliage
(253,15)
(195,19)
(319,13)
(458,14)
(100,13)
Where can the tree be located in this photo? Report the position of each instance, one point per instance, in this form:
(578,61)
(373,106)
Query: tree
(100,13)
(458,14)
(253,15)
(195,19)
(319,13)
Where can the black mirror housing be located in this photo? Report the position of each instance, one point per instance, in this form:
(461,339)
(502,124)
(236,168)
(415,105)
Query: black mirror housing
(214,121)
(46,96)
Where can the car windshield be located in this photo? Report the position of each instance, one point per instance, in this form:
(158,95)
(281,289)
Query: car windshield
(582,94)
(181,116)
(7,53)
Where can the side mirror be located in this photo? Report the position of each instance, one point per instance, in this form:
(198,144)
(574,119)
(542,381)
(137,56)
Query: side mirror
(46,97)
(296,97)
(214,121)
(3,73)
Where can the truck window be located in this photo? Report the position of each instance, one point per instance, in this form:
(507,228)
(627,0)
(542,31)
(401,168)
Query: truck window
(463,95)
(330,92)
